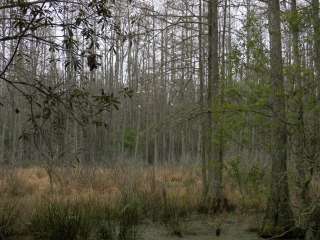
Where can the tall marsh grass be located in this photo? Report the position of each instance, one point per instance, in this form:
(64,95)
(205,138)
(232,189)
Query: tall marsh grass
(103,203)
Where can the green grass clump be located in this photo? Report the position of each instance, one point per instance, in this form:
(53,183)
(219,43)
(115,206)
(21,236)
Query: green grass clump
(130,215)
(9,216)
(85,220)
(173,215)
(107,228)
(61,220)
(107,231)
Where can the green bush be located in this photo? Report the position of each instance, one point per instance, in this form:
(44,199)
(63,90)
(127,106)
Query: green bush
(130,136)
(250,182)
(255,179)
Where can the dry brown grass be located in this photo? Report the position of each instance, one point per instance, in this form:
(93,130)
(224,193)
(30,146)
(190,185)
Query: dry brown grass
(166,193)
(103,183)
(181,185)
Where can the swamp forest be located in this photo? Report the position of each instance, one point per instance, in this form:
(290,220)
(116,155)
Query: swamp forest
(159,119)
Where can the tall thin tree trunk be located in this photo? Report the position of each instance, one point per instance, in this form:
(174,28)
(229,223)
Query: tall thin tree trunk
(279,216)
(316,61)
(215,163)
(202,106)
(301,161)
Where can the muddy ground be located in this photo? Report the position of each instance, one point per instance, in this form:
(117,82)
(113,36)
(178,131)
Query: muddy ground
(204,228)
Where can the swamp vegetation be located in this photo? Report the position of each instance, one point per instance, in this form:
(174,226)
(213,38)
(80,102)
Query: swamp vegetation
(168,119)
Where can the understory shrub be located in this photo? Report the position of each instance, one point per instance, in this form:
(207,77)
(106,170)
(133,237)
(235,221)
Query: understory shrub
(249,182)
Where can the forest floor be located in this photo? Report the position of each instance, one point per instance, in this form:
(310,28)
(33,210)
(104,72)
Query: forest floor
(199,227)
(233,227)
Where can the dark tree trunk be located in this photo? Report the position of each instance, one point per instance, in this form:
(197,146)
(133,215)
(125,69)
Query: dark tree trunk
(279,216)
(215,164)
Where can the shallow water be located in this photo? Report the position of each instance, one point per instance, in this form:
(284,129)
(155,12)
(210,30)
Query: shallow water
(200,228)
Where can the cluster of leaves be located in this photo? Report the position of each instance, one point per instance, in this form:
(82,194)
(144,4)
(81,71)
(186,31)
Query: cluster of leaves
(244,102)
(50,111)
(27,17)
(37,12)
(83,106)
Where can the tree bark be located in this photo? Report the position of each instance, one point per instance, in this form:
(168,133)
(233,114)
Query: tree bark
(301,161)
(279,216)
(202,106)
(215,164)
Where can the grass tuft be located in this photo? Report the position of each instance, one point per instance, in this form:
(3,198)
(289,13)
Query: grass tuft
(129,218)
(57,220)
(9,216)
